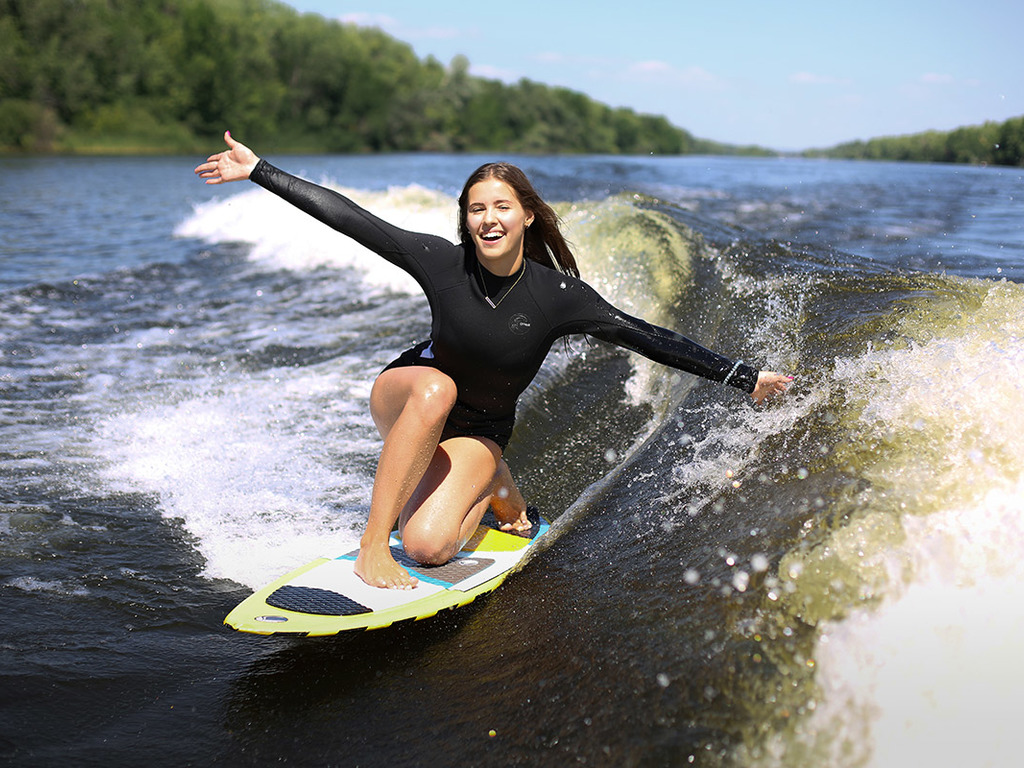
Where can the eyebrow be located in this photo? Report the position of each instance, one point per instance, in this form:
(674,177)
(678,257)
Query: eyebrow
(501,200)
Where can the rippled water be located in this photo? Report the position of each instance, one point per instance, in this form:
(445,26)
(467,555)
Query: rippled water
(184,375)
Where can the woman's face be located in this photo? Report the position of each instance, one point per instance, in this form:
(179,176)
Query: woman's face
(497,222)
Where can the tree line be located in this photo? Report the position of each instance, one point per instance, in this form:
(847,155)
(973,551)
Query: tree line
(170,75)
(989,144)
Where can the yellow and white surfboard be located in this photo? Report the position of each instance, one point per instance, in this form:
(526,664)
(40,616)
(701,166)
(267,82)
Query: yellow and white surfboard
(326,597)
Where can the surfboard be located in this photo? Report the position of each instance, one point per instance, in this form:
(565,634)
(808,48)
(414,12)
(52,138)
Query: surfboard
(325,597)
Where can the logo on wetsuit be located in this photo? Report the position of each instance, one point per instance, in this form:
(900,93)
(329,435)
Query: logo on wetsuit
(519,324)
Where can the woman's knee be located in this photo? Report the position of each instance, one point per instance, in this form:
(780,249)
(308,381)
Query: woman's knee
(429,547)
(425,393)
(434,396)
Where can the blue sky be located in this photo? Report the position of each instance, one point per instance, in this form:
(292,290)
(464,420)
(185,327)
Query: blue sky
(782,74)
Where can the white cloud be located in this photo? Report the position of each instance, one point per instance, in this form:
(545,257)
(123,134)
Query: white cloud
(554,58)
(668,74)
(654,68)
(810,78)
(936,78)
(489,72)
(398,30)
(369,20)
(651,71)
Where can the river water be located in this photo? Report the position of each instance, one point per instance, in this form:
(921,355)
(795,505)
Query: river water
(833,580)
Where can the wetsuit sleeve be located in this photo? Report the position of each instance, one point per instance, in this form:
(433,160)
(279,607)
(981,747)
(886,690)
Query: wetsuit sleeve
(603,321)
(396,245)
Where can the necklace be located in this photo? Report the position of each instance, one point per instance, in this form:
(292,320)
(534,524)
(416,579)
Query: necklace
(483,284)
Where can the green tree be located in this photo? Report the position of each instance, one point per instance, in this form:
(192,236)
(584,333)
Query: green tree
(1010,143)
(90,75)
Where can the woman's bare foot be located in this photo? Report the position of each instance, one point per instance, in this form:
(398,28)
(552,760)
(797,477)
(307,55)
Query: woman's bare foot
(378,569)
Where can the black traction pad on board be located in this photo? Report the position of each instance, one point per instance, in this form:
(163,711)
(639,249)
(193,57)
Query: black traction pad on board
(450,573)
(321,602)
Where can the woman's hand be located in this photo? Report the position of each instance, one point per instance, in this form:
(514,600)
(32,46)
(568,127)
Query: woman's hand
(507,502)
(233,164)
(770,384)
(518,524)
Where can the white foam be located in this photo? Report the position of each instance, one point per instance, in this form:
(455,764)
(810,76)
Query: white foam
(932,675)
(32,584)
(248,471)
(284,237)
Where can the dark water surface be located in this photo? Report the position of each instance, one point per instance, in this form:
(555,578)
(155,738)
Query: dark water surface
(832,580)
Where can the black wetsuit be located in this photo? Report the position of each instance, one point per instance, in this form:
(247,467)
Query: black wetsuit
(493,353)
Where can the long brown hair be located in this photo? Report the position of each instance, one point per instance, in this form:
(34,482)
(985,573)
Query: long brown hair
(543,242)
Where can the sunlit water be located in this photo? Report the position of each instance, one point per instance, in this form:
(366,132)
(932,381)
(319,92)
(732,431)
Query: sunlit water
(833,580)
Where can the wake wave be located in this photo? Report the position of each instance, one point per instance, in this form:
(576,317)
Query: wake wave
(269,459)
(283,237)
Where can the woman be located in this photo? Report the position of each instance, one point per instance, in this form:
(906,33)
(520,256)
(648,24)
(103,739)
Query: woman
(499,299)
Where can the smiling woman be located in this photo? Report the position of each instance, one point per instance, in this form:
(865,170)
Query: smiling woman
(445,409)
(505,185)
(498,223)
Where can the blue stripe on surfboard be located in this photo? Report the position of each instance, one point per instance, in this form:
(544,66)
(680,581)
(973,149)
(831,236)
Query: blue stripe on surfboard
(448,575)
(409,565)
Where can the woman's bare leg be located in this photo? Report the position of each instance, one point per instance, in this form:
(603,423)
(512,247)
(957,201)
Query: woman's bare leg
(436,492)
(409,406)
(450,500)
